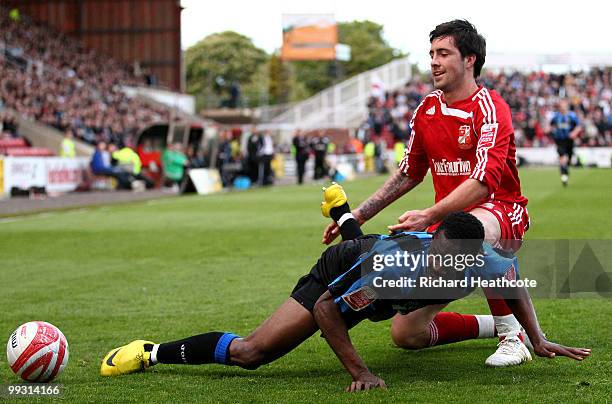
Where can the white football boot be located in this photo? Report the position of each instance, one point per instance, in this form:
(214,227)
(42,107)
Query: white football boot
(511,351)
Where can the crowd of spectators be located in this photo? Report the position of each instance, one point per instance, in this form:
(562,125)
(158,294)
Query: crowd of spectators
(532,97)
(9,128)
(49,77)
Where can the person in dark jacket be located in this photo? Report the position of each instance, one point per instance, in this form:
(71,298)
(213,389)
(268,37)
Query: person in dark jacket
(101,165)
(302,152)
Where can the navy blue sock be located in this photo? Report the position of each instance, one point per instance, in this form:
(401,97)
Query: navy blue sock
(212,347)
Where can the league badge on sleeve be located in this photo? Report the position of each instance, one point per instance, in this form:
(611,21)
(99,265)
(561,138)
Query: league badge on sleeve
(360,299)
(488,133)
(510,273)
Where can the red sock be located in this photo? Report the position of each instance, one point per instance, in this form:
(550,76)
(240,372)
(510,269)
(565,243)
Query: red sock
(497,304)
(448,327)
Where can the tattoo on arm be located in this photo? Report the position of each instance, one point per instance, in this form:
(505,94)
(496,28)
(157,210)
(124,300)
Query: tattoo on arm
(397,185)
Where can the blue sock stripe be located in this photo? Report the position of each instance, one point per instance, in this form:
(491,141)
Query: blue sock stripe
(221,350)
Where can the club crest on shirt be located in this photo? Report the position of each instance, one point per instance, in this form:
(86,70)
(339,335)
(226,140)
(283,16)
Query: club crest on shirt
(510,273)
(360,299)
(464,140)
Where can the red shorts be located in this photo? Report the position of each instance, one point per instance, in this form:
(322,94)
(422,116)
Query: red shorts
(513,220)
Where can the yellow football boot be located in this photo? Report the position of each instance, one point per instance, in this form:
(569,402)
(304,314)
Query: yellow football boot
(333,197)
(126,359)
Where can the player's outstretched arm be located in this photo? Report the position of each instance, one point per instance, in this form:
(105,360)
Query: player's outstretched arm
(522,308)
(396,186)
(467,194)
(331,324)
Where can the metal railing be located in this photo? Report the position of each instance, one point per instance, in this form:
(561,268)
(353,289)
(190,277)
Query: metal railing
(343,105)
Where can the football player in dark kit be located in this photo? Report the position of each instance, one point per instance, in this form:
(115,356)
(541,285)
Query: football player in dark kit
(339,292)
(565,129)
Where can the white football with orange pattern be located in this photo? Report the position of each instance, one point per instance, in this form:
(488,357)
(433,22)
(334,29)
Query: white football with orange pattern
(37,351)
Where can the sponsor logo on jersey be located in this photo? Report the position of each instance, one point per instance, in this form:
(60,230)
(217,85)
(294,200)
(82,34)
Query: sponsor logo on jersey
(360,299)
(431,110)
(452,168)
(488,133)
(464,139)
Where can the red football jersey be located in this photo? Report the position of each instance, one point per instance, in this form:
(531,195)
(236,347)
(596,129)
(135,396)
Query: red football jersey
(473,138)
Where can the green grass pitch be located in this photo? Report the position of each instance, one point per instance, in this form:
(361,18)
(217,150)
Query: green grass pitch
(171,268)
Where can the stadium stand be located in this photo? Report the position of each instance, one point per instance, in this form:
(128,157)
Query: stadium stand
(51,78)
(11,141)
(532,97)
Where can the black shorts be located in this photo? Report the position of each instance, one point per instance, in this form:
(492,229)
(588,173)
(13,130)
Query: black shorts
(334,261)
(565,147)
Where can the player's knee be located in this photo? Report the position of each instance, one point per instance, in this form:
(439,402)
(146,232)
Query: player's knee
(247,355)
(409,340)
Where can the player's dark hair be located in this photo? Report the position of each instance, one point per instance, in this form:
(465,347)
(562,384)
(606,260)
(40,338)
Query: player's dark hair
(463,226)
(465,38)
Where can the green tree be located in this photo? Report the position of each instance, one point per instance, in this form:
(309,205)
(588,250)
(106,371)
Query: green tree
(368,47)
(279,85)
(313,75)
(255,92)
(217,61)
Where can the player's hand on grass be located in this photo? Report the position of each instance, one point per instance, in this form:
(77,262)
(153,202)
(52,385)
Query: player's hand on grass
(366,381)
(412,220)
(549,349)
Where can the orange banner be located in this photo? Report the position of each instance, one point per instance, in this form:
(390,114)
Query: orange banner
(309,37)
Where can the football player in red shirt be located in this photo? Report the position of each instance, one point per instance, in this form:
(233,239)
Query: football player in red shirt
(463,133)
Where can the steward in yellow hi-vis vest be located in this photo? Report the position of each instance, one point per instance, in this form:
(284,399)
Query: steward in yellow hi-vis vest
(127,158)
(68,147)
